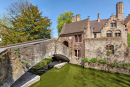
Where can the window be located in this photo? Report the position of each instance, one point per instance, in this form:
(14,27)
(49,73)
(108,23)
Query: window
(94,35)
(117,33)
(110,48)
(78,38)
(77,53)
(109,33)
(113,24)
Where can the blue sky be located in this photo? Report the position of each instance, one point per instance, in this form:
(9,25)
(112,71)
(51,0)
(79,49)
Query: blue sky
(53,8)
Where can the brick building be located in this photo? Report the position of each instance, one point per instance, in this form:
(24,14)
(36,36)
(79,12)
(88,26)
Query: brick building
(81,34)
(127,22)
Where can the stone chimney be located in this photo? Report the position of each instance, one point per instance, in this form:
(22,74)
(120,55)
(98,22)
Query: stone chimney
(73,18)
(119,11)
(78,17)
(98,17)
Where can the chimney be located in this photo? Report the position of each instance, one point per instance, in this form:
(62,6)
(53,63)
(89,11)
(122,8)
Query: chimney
(119,11)
(98,17)
(73,18)
(78,17)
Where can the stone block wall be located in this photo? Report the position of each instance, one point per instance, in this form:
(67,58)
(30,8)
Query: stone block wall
(96,48)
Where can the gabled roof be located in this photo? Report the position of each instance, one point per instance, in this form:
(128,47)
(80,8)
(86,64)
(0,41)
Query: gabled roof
(127,19)
(74,27)
(79,26)
(97,26)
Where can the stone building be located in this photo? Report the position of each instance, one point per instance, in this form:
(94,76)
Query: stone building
(127,22)
(96,38)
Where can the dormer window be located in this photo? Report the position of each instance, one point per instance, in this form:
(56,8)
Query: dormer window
(113,24)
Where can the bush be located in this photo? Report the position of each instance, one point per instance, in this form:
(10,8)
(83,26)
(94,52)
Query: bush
(16,49)
(85,60)
(116,65)
(93,60)
(127,64)
(109,52)
(128,39)
(103,61)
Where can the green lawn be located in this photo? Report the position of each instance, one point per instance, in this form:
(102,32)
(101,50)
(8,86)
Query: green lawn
(76,76)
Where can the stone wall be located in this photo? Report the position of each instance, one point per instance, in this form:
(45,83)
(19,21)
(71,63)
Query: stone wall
(24,57)
(96,48)
(5,68)
(123,70)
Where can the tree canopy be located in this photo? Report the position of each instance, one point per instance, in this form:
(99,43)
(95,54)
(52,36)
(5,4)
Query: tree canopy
(26,24)
(65,17)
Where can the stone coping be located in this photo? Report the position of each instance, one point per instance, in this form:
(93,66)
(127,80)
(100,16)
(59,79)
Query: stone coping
(26,80)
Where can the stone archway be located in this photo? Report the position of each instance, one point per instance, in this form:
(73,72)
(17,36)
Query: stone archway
(66,43)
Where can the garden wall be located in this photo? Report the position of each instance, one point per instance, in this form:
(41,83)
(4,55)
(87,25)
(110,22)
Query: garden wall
(123,70)
(96,48)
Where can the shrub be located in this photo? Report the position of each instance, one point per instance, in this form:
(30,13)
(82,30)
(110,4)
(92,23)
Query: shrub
(109,52)
(103,61)
(93,60)
(85,60)
(116,65)
(16,49)
(127,64)
(128,39)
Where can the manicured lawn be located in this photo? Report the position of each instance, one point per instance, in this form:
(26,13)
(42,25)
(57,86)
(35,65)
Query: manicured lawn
(76,76)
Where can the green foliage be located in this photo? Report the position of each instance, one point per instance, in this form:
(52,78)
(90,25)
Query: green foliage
(93,60)
(1,58)
(116,65)
(128,39)
(41,66)
(127,64)
(16,49)
(24,62)
(27,25)
(17,53)
(102,61)
(109,52)
(65,17)
(76,76)
(85,60)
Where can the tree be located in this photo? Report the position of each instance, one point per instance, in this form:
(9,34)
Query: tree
(65,17)
(27,24)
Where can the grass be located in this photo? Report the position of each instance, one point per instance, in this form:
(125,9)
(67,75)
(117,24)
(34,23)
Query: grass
(76,76)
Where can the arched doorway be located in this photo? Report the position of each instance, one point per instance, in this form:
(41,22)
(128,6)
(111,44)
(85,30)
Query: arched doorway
(66,43)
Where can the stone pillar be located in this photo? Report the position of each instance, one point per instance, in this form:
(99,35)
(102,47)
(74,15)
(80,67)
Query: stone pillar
(98,17)
(78,17)
(73,18)
(119,11)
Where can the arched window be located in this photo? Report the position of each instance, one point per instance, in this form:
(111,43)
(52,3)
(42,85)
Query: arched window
(117,33)
(66,43)
(109,33)
(110,49)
